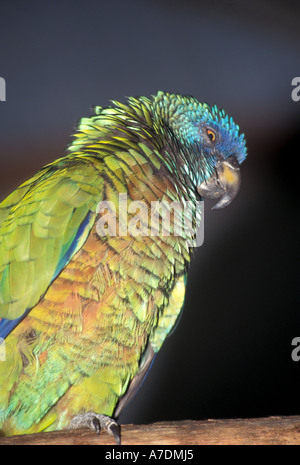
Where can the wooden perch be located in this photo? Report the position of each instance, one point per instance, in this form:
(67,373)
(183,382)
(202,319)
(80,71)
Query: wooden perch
(271,430)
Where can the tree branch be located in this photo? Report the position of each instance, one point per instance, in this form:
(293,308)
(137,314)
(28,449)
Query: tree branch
(271,430)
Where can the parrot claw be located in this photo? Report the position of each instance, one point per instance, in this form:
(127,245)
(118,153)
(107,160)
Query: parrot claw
(96,422)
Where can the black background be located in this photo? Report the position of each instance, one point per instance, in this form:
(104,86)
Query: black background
(231,353)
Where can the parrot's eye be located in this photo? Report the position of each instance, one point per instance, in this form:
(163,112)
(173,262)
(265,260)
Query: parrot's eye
(211,135)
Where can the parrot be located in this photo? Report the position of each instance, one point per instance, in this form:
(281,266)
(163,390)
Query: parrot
(85,306)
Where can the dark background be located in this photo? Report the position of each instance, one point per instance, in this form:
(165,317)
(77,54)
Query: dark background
(231,353)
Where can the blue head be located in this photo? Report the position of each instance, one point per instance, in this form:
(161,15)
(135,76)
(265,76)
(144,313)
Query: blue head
(213,140)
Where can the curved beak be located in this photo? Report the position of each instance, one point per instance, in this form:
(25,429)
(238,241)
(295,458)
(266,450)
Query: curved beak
(224,183)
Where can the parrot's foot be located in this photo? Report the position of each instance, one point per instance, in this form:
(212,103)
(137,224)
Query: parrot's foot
(96,422)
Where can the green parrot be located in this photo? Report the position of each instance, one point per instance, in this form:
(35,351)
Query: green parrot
(86,304)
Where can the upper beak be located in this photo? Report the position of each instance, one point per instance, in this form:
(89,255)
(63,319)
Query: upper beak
(224,183)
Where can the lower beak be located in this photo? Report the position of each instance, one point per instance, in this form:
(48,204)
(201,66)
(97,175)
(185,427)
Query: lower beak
(224,184)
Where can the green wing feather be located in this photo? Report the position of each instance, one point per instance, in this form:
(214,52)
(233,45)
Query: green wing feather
(43,224)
